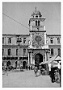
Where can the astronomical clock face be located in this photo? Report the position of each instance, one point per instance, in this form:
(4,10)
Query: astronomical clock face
(38,39)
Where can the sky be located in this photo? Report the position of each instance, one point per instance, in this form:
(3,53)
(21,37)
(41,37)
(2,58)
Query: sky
(21,12)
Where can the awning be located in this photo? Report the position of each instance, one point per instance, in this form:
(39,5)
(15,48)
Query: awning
(45,62)
(51,59)
(58,58)
(54,64)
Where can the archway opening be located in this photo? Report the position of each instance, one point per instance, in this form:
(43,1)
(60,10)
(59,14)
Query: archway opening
(38,58)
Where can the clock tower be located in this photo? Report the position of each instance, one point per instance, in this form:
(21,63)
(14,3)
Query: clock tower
(37,44)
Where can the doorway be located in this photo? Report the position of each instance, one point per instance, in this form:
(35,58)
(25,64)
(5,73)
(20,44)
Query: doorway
(38,58)
(24,64)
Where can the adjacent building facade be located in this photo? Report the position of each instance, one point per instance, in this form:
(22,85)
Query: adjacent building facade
(30,49)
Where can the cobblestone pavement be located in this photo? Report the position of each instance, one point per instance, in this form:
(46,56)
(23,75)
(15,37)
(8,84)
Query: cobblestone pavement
(26,79)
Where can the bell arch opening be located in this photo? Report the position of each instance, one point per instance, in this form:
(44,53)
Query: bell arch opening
(38,58)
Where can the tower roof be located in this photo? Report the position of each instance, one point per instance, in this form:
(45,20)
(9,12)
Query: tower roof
(36,12)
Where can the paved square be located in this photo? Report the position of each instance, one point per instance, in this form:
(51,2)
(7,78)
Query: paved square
(27,79)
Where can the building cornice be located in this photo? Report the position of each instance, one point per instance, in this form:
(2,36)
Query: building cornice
(14,46)
(53,35)
(29,34)
(15,34)
(55,45)
(38,31)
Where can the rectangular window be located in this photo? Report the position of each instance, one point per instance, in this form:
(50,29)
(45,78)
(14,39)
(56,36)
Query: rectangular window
(9,52)
(36,16)
(19,40)
(16,51)
(2,51)
(52,51)
(59,51)
(3,40)
(58,40)
(9,40)
(24,51)
(51,40)
(24,40)
(38,23)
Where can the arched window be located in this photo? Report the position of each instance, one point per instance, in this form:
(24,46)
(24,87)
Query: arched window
(16,51)
(9,40)
(59,51)
(9,52)
(19,39)
(52,51)
(58,40)
(36,23)
(3,40)
(24,51)
(24,40)
(36,16)
(2,51)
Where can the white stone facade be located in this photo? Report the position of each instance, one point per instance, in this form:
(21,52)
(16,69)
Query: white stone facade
(26,47)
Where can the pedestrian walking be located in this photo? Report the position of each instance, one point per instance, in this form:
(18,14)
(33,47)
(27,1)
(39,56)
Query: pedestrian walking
(29,67)
(59,70)
(52,74)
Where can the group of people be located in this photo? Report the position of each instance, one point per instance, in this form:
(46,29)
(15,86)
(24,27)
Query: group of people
(55,72)
(39,70)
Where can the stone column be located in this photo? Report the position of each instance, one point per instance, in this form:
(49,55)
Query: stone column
(31,38)
(28,59)
(18,52)
(44,27)
(45,37)
(31,57)
(45,56)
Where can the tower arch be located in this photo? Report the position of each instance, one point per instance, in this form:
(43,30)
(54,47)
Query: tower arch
(38,58)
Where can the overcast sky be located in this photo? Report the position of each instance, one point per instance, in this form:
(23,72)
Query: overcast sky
(22,13)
